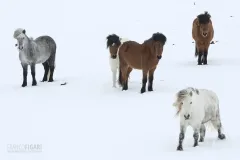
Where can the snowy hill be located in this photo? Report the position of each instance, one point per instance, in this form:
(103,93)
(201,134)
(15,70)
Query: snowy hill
(87,119)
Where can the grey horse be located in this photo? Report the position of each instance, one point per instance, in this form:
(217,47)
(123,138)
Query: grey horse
(32,52)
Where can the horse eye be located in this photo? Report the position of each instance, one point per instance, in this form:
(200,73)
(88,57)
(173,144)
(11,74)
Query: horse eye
(190,102)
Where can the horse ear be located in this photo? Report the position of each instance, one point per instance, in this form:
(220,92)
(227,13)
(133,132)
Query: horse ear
(197,22)
(190,93)
(24,31)
(197,91)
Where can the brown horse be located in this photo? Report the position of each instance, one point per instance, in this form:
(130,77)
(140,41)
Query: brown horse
(202,33)
(145,57)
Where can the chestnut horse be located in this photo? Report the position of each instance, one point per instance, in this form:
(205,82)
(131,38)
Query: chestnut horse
(145,57)
(202,33)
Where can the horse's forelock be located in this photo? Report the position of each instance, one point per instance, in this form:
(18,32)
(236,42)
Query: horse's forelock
(159,37)
(18,31)
(113,39)
(204,18)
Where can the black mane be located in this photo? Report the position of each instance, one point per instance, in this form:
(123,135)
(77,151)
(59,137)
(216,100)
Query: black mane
(204,18)
(113,38)
(159,37)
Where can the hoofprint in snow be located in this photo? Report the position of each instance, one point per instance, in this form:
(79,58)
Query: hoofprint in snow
(195,108)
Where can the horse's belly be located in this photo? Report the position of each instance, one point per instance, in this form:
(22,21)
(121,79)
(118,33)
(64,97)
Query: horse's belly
(134,64)
(42,57)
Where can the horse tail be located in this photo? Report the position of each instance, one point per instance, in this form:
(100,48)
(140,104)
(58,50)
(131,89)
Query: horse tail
(52,59)
(120,81)
(196,52)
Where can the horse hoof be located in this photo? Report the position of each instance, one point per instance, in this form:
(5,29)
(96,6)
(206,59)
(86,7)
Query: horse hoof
(195,145)
(201,140)
(50,80)
(24,84)
(34,83)
(179,148)
(222,136)
(150,89)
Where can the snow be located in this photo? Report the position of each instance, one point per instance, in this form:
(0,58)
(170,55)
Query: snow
(88,119)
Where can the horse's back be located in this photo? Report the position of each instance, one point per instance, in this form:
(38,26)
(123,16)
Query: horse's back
(210,99)
(46,47)
(48,42)
(130,53)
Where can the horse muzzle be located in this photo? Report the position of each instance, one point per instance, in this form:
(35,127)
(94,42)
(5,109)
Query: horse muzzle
(20,48)
(114,56)
(159,57)
(204,34)
(187,117)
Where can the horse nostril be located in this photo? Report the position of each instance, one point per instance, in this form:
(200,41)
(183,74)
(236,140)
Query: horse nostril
(159,57)
(186,117)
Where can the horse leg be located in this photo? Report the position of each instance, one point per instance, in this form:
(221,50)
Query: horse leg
(181,137)
(202,133)
(196,136)
(124,77)
(25,72)
(114,77)
(51,63)
(46,70)
(144,81)
(33,73)
(52,67)
(150,79)
(129,71)
(218,126)
(200,53)
(205,54)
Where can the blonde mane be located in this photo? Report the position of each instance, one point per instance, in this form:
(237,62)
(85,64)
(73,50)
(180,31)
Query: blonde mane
(181,95)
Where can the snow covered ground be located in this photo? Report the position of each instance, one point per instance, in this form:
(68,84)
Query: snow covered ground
(87,119)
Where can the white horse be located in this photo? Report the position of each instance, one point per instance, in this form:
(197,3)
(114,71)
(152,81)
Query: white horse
(195,108)
(114,43)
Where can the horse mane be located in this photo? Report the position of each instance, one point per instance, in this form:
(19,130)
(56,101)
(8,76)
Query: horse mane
(18,31)
(157,37)
(204,18)
(181,95)
(113,38)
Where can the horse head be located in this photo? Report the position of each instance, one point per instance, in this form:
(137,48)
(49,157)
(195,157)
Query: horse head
(20,35)
(157,42)
(184,102)
(203,23)
(113,43)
